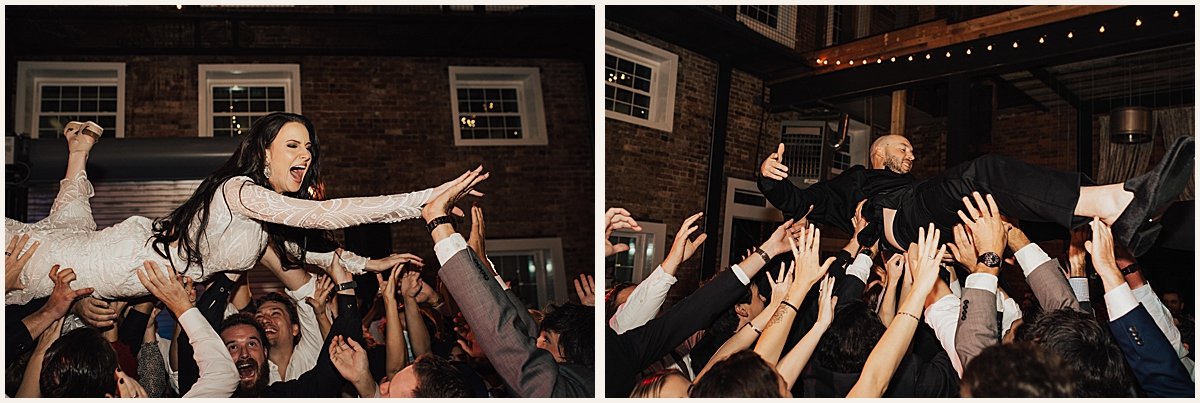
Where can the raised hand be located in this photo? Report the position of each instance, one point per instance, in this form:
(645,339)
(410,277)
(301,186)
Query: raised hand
(129,387)
(614,219)
(984,223)
(1077,255)
(410,285)
(895,268)
(15,259)
(62,295)
(379,265)
(388,288)
(320,298)
(773,166)
(585,288)
(48,336)
(478,230)
(826,302)
(1103,257)
(683,248)
(781,284)
(809,270)
(451,192)
(350,359)
(963,250)
(778,241)
(171,292)
(924,258)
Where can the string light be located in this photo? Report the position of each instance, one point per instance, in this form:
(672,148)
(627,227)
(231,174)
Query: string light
(1176,15)
(851,62)
(1137,23)
(839,63)
(864,61)
(818,61)
(1015,44)
(910,58)
(879,60)
(1042,40)
(968,51)
(893,59)
(989,48)
(927,56)
(947,53)
(1070,35)
(1102,29)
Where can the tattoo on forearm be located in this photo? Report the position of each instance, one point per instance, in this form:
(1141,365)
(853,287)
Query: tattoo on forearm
(778,317)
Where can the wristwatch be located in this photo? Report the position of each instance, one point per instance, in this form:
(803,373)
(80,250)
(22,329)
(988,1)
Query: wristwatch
(1132,268)
(990,259)
(349,285)
(434,223)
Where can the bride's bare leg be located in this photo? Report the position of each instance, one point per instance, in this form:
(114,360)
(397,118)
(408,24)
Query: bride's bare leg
(72,208)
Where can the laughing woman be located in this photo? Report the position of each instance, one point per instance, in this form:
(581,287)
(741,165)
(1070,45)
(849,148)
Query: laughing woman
(259,202)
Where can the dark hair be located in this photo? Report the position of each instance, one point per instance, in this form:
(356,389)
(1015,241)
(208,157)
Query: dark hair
(651,386)
(574,324)
(289,306)
(1018,370)
(1085,346)
(79,364)
(248,160)
(848,342)
(610,299)
(243,318)
(714,337)
(744,374)
(437,377)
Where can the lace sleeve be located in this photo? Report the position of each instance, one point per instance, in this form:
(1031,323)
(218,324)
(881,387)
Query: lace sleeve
(354,264)
(256,202)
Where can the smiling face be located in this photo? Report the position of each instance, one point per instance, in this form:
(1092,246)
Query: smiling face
(289,157)
(274,319)
(893,153)
(249,355)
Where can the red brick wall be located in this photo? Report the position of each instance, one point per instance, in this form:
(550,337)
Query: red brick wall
(1041,138)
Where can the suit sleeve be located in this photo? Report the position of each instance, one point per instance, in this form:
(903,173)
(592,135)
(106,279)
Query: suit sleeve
(1145,348)
(211,305)
(828,198)
(1050,287)
(977,327)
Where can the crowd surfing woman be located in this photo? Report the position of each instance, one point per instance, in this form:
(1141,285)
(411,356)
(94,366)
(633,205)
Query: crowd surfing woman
(261,201)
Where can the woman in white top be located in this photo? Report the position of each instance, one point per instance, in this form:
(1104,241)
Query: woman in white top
(263,195)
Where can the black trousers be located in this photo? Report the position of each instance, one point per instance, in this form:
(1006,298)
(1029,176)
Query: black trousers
(1022,191)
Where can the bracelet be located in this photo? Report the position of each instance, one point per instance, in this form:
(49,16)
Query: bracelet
(434,223)
(909,314)
(751,324)
(1132,268)
(762,253)
(789,305)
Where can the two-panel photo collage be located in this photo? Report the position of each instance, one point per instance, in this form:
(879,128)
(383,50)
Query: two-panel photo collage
(599,201)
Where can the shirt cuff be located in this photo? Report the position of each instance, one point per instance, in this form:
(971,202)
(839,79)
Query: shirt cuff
(449,246)
(1119,301)
(191,320)
(1030,257)
(305,290)
(500,280)
(983,281)
(1079,285)
(1143,292)
(741,275)
(861,268)
(660,274)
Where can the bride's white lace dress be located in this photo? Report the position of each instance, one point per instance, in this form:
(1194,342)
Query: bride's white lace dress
(233,240)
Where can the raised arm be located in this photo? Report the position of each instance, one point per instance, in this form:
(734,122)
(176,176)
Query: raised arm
(809,271)
(248,199)
(418,333)
(746,336)
(646,299)
(790,365)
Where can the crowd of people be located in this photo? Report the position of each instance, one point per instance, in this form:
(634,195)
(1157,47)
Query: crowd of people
(913,304)
(163,308)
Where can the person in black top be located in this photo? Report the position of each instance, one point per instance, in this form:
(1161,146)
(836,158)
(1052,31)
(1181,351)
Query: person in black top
(898,204)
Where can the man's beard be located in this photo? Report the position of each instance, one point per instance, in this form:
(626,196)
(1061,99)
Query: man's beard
(895,165)
(260,382)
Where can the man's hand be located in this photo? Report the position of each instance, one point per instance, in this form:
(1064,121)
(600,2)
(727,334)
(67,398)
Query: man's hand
(478,231)
(410,286)
(48,336)
(350,359)
(614,219)
(1016,238)
(428,295)
(773,166)
(338,272)
(173,293)
(984,224)
(1103,257)
(585,288)
(826,303)
(15,259)
(450,192)
(388,288)
(62,295)
(778,241)
(1077,252)
(895,269)
(320,298)
(683,247)
(379,265)
(965,253)
(95,312)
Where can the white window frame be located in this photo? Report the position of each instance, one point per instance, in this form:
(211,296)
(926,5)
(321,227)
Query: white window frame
(653,241)
(665,67)
(784,32)
(552,273)
(31,75)
(527,81)
(744,211)
(249,75)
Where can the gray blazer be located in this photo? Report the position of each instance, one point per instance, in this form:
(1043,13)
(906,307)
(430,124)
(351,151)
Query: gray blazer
(508,335)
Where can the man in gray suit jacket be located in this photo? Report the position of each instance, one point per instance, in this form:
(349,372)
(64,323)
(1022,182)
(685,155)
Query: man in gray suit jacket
(501,325)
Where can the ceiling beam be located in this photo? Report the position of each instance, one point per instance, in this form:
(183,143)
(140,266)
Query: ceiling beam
(1006,87)
(937,34)
(1058,87)
(1121,36)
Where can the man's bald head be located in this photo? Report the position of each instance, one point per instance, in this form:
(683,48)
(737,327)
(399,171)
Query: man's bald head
(892,152)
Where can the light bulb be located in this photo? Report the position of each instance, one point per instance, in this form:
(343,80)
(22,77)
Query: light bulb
(879,60)
(989,48)
(893,59)
(1042,40)
(1070,35)
(927,56)
(1015,44)
(1176,15)
(1102,29)
(851,62)
(947,53)
(1137,23)
(839,63)
(968,51)
(910,58)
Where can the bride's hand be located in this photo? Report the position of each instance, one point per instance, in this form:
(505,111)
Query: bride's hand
(379,265)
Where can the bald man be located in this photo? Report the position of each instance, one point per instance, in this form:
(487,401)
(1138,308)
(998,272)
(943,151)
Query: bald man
(898,204)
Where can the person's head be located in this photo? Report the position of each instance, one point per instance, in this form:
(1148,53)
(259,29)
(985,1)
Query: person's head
(752,303)
(667,383)
(1173,301)
(429,376)
(246,341)
(1086,347)
(567,334)
(277,315)
(281,144)
(892,152)
(79,364)
(1017,370)
(744,374)
(853,333)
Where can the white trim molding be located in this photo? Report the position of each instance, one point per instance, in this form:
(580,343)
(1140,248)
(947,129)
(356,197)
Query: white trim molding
(210,75)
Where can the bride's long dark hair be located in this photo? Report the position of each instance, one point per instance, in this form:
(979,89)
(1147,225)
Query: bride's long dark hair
(248,160)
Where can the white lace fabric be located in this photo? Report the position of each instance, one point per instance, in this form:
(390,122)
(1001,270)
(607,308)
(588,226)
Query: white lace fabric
(107,260)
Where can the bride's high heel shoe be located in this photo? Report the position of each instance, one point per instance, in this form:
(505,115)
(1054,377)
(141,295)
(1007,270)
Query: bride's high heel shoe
(89,128)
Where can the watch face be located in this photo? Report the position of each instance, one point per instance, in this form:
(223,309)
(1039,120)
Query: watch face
(990,259)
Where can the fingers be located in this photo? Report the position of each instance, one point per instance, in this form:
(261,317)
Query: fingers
(699,240)
(687,223)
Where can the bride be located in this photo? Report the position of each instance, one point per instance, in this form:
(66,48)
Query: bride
(259,202)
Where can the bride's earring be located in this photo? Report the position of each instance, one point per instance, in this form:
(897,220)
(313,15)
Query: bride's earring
(267,171)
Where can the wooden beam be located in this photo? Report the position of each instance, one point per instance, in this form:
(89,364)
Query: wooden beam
(937,34)
(1005,87)
(1058,87)
(899,111)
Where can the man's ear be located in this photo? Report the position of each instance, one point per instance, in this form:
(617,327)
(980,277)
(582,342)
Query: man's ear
(742,310)
(295,330)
